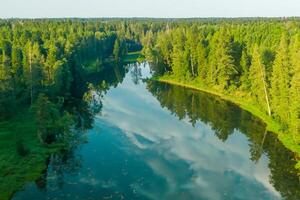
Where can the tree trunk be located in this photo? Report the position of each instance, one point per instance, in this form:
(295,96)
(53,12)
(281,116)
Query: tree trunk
(192,65)
(265,90)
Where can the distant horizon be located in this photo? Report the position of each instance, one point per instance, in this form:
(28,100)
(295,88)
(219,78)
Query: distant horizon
(35,9)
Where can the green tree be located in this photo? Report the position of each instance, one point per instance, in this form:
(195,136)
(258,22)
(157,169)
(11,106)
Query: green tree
(17,68)
(63,79)
(191,51)
(245,63)
(51,124)
(295,91)
(258,81)
(280,82)
(50,63)
(120,49)
(179,58)
(117,50)
(222,66)
(5,65)
(201,61)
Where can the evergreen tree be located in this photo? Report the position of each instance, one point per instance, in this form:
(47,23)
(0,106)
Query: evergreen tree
(222,65)
(50,63)
(280,82)
(63,79)
(117,50)
(179,63)
(5,65)
(191,51)
(245,65)
(51,124)
(17,68)
(164,48)
(295,91)
(120,49)
(258,81)
(295,105)
(201,61)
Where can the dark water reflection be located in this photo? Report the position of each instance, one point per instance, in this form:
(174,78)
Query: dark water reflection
(157,141)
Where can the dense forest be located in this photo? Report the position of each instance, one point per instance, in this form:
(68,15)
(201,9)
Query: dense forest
(251,59)
(253,63)
(45,70)
(46,66)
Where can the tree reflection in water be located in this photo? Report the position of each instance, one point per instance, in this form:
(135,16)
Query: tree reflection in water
(224,118)
(67,161)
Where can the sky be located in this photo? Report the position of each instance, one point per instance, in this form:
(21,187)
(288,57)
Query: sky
(148,8)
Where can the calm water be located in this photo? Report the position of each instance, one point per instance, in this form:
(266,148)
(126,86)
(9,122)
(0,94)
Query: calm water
(157,141)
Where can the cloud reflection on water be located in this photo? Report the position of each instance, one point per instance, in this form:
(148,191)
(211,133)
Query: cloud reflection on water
(213,167)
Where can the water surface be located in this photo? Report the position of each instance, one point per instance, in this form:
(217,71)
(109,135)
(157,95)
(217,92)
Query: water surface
(156,141)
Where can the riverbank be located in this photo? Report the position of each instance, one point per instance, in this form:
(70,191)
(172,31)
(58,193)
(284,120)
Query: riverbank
(132,57)
(23,157)
(271,124)
(16,169)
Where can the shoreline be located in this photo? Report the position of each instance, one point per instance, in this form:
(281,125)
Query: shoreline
(271,125)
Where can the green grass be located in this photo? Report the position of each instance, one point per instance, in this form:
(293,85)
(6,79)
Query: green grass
(133,57)
(16,170)
(272,125)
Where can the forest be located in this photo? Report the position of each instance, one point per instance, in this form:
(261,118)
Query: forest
(253,63)
(45,70)
(46,66)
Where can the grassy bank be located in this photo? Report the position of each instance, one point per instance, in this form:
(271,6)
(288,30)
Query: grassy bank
(22,157)
(96,66)
(133,57)
(271,124)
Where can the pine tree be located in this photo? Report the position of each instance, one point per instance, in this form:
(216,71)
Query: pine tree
(5,65)
(17,67)
(33,68)
(201,61)
(223,63)
(295,90)
(117,48)
(50,63)
(165,47)
(280,82)
(191,51)
(258,81)
(245,65)
(63,78)
(295,104)
(179,57)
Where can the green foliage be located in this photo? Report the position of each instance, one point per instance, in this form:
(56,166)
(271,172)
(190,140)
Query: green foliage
(133,57)
(22,157)
(280,82)
(245,63)
(46,57)
(225,118)
(257,80)
(52,125)
(255,61)
(120,49)
(222,69)
(45,63)
(294,96)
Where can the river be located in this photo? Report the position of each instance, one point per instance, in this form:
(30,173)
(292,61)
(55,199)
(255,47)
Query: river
(152,140)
